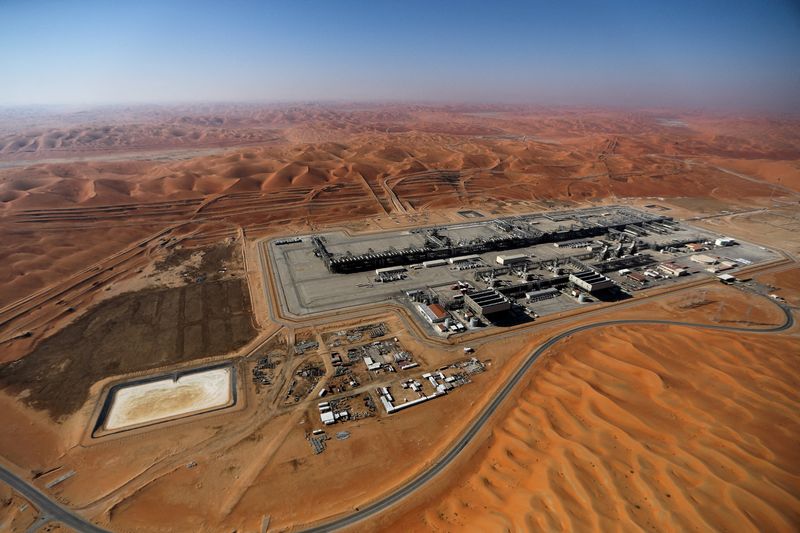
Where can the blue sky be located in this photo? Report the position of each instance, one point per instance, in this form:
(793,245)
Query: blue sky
(727,54)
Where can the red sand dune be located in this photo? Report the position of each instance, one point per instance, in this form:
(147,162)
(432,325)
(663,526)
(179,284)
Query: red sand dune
(637,428)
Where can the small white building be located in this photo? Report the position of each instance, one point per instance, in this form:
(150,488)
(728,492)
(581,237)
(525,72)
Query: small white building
(463,259)
(510,259)
(390,270)
(724,241)
(371,365)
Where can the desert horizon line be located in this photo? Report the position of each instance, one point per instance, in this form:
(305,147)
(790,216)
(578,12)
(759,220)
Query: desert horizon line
(431,103)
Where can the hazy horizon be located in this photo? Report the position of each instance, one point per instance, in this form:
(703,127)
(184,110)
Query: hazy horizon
(718,55)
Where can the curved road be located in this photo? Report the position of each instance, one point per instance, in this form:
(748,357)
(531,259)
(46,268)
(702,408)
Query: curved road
(487,413)
(47,506)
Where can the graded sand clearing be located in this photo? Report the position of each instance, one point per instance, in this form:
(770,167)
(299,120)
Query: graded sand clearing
(168,398)
(637,428)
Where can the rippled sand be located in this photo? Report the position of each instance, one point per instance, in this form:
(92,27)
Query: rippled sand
(663,429)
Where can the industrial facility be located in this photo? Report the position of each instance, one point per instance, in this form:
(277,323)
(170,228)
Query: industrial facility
(510,233)
(487,302)
(499,272)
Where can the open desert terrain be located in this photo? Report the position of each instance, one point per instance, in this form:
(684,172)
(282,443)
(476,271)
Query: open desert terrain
(138,244)
(637,428)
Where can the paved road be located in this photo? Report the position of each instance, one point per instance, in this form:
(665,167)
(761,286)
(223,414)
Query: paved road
(481,421)
(47,506)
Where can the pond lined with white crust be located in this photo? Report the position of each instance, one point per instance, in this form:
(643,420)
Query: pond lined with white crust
(143,403)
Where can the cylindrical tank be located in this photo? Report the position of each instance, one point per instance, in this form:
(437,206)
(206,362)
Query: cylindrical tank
(448,322)
(581,298)
(474,322)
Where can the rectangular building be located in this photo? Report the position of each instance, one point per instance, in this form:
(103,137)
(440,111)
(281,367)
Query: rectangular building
(390,270)
(438,311)
(637,277)
(432,313)
(544,294)
(487,302)
(590,281)
(463,259)
(511,259)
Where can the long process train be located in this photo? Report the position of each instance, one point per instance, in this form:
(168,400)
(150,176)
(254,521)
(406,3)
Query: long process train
(513,232)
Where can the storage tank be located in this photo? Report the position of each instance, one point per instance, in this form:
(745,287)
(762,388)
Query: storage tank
(448,322)
(582,298)
(474,322)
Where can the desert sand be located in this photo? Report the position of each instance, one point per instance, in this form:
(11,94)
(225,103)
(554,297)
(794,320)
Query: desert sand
(637,428)
(132,230)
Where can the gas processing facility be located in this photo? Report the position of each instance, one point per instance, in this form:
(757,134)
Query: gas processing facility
(500,271)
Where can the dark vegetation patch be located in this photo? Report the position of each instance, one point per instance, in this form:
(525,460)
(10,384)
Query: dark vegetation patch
(129,333)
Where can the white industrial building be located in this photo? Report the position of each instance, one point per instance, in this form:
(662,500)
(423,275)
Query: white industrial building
(487,302)
(371,364)
(390,270)
(510,259)
(463,259)
(544,294)
(590,281)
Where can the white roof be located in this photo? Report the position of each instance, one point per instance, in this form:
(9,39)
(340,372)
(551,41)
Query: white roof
(511,257)
(463,258)
(390,269)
